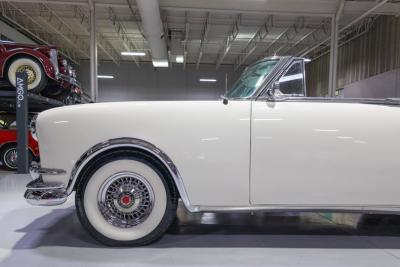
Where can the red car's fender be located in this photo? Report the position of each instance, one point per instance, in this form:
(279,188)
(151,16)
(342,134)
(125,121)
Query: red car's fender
(8,54)
(10,136)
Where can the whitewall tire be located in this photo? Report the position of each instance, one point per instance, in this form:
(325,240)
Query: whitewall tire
(37,79)
(126,201)
(9,156)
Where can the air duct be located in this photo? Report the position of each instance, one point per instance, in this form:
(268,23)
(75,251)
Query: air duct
(153,30)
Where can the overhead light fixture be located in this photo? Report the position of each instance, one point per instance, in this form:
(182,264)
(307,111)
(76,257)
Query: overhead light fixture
(306,60)
(179,59)
(160,63)
(207,80)
(105,76)
(133,53)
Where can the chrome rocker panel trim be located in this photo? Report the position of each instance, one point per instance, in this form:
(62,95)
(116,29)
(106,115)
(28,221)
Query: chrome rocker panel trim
(133,143)
(39,193)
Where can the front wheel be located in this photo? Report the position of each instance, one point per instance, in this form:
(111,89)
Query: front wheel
(37,79)
(9,157)
(126,201)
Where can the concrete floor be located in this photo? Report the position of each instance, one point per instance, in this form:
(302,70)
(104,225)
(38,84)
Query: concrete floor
(53,236)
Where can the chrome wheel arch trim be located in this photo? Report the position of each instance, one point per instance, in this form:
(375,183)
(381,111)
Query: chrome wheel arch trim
(131,143)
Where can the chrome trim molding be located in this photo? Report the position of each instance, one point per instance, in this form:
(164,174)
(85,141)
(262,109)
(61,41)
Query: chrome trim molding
(374,101)
(39,193)
(134,143)
(385,209)
(36,171)
(278,72)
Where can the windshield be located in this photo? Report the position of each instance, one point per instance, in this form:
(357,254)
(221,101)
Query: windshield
(251,78)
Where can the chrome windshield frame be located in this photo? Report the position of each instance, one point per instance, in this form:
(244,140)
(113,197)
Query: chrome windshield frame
(267,78)
(279,73)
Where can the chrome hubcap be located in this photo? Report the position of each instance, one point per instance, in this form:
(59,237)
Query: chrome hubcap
(125,199)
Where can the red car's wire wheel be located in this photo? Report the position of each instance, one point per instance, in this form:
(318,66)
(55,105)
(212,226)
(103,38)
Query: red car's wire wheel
(10,158)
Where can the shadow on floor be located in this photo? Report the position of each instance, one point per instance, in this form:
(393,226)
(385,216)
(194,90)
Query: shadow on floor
(277,230)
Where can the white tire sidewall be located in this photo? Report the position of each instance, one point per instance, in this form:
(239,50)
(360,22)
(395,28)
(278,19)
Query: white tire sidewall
(25,61)
(8,150)
(96,219)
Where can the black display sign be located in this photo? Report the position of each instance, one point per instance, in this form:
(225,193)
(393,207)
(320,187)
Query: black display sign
(22,122)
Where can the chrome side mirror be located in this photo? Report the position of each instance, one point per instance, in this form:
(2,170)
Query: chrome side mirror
(224,99)
(274,88)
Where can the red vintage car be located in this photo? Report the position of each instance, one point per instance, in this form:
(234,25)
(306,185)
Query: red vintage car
(8,148)
(49,73)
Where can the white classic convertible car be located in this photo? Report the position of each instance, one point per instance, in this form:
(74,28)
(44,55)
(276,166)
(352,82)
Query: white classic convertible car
(265,147)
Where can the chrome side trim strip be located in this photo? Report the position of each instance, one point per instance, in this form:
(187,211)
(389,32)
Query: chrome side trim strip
(49,171)
(303,208)
(375,101)
(36,171)
(135,143)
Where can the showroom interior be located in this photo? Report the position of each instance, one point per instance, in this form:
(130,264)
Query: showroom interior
(178,51)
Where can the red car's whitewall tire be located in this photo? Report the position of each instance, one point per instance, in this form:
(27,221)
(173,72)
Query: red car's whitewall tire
(142,218)
(37,79)
(8,156)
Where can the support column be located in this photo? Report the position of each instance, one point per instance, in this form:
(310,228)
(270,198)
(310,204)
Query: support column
(93,53)
(333,57)
(334,50)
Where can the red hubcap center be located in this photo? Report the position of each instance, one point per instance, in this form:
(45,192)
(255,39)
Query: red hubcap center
(126,200)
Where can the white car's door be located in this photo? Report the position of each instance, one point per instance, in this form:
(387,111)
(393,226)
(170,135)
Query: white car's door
(308,153)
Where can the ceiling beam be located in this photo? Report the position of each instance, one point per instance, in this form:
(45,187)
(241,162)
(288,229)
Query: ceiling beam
(278,7)
(57,25)
(14,15)
(317,36)
(229,40)
(370,11)
(289,7)
(121,31)
(359,31)
(185,41)
(103,44)
(204,34)
(304,37)
(284,40)
(135,16)
(309,38)
(258,37)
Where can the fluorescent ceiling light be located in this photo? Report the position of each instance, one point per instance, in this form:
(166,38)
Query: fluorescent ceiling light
(105,76)
(133,53)
(207,80)
(306,60)
(179,59)
(160,63)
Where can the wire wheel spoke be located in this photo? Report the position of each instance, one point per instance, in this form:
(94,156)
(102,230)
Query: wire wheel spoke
(125,199)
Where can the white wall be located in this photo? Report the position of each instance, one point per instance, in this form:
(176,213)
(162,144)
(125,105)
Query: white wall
(385,85)
(147,83)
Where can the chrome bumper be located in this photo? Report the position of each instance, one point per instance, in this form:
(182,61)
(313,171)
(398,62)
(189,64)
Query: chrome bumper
(68,79)
(40,193)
